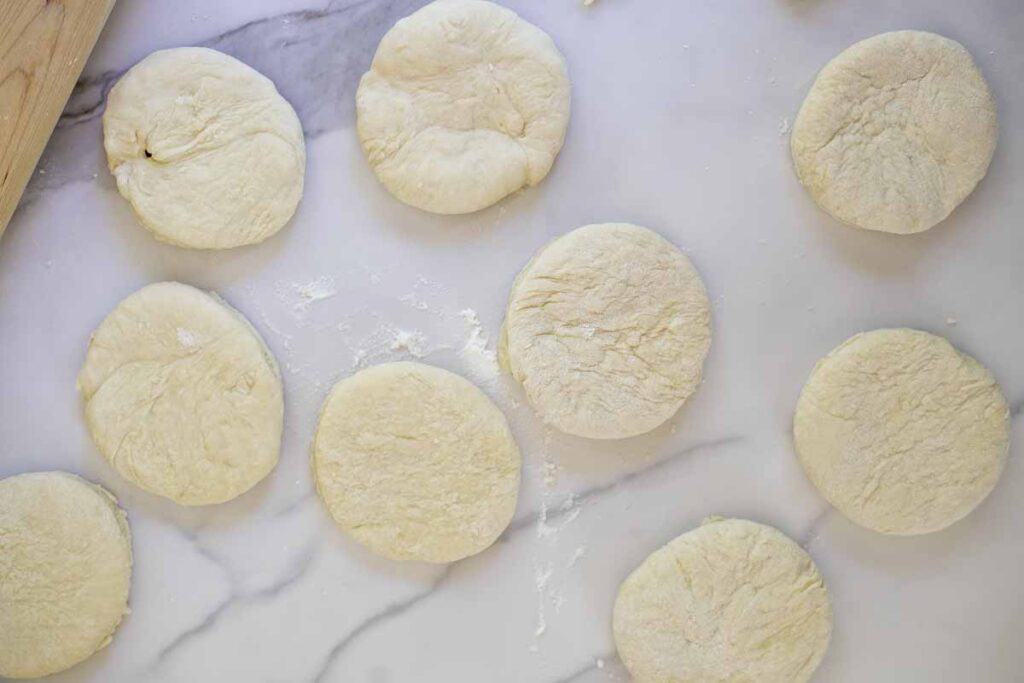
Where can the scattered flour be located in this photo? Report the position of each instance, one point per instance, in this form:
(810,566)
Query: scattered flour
(313,291)
(784,126)
(481,361)
(411,341)
(951,321)
(549,473)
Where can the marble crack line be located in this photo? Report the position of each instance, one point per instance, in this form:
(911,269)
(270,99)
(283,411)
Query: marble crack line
(293,573)
(811,533)
(393,610)
(104,81)
(597,664)
(559,510)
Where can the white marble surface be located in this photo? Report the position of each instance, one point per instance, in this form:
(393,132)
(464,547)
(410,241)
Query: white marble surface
(679,118)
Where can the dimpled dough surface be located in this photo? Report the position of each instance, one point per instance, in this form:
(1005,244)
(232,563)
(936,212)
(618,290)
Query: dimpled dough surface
(607,329)
(181,395)
(901,432)
(65,572)
(463,104)
(895,132)
(416,463)
(731,600)
(204,148)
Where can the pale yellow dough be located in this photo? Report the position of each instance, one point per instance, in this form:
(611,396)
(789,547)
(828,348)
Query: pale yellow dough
(463,104)
(181,395)
(895,132)
(416,463)
(731,600)
(204,148)
(607,329)
(901,432)
(65,572)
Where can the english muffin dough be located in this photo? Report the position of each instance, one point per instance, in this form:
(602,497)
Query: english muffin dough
(731,600)
(901,432)
(896,132)
(65,572)
(416,463)
(464,104)
(204,148)
(607,329)
(181,395)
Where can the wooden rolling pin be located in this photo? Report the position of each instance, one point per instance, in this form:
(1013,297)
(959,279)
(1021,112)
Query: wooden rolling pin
(43,48)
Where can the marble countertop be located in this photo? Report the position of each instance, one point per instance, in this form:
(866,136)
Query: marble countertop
(680,120)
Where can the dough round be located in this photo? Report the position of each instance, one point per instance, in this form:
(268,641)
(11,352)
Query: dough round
(896,132)
(416,463)
(731,600)
(901,432)
(465,103)
(181,395)
(607,329)
(65,572)
(205,149)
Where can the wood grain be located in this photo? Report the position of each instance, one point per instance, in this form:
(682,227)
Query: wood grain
(43,48)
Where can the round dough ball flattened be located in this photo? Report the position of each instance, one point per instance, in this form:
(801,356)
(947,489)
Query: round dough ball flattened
(896,132)
(181,395)
(204,147)
(416,463)
(731,600)
(607,329)
(465,103)
(901,432)
(65,572)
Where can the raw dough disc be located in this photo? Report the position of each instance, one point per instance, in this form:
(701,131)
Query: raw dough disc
(901,432)
(895,132)
(731,600)
(181,395)
(65,572)
(464,103)
(607,329)
(205,149)
(416,463)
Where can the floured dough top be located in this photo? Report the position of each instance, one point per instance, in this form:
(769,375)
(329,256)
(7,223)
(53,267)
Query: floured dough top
(731,600)
(416,463)
(65,572)
(901,432)
(896,132)
(607,329)
(464,104)
(205,149)
(181,395)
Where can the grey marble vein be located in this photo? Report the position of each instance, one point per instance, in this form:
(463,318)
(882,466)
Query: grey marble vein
(295,570)
(393,610)
(558,510)
(1016,408)
(811,533)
